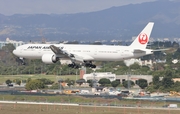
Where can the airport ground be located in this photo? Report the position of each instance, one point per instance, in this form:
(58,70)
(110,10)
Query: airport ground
(95,105)
(68,104)
(14,108)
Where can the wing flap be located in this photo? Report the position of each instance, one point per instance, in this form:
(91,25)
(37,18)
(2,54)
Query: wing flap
(54,49)
(58,51)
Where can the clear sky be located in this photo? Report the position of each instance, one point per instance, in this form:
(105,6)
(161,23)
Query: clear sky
(9,7)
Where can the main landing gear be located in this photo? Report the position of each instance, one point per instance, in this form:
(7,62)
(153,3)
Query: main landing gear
(73,65)
(89,64)
(86,64)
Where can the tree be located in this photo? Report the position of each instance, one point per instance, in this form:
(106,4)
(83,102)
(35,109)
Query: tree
(167,82)
(156,82)
(8,81)
(57,86)
(69,82)
(135,66)
(169,58)
(46,81)
(176,86)
(7,57)
(142,83)
(24,81)
(9,47)
(125,83)
(34,85)
(80,81)
(176,54)
(169,73)
(17,81)
(104,81)
(115,83)
(28,80)
(175,44)
(90,82)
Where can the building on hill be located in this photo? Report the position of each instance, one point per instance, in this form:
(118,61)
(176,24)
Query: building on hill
(8,41)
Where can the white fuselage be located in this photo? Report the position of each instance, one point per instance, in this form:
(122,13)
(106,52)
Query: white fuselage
(87,52)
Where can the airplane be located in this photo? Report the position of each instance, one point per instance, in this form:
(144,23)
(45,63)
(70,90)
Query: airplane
(86,54)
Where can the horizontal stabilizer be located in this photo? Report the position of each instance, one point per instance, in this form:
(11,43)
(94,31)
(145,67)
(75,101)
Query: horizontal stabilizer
(138,51)
(159,50)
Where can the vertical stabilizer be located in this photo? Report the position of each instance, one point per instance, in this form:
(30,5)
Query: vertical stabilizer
(142,39)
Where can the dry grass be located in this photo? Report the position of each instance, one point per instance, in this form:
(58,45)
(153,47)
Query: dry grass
(60,109)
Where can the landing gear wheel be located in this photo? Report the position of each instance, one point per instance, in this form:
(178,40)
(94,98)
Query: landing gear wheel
(73,65)
(93,66)
(89,64)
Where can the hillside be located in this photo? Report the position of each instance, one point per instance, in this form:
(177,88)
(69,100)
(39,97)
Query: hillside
(114,23)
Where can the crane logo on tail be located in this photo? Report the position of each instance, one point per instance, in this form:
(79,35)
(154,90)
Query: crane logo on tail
(143,38)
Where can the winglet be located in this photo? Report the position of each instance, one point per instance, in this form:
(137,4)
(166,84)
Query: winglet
(142,39)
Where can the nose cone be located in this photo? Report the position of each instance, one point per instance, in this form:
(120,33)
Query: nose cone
(15,52)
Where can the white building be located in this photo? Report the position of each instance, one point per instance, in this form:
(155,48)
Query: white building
(139,61)
(134,78)
(98,76)
(8,41)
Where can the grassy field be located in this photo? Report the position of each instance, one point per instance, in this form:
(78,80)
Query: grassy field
(16,108)
(61,109)
(83,100)
(3,78)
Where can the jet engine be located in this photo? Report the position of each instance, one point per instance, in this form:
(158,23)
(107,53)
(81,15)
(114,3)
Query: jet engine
(49,58)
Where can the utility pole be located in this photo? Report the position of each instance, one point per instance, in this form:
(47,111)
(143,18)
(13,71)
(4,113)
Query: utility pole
(94,80)
(129,82)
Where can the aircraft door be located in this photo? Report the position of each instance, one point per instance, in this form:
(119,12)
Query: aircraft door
(95,52)
(39,51)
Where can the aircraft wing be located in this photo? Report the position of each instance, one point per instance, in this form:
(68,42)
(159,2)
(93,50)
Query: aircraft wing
(61,53)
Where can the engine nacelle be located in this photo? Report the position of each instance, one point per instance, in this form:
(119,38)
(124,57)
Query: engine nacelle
(49,58)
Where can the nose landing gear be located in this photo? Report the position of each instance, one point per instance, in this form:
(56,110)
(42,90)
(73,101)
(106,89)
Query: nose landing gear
(21,60)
